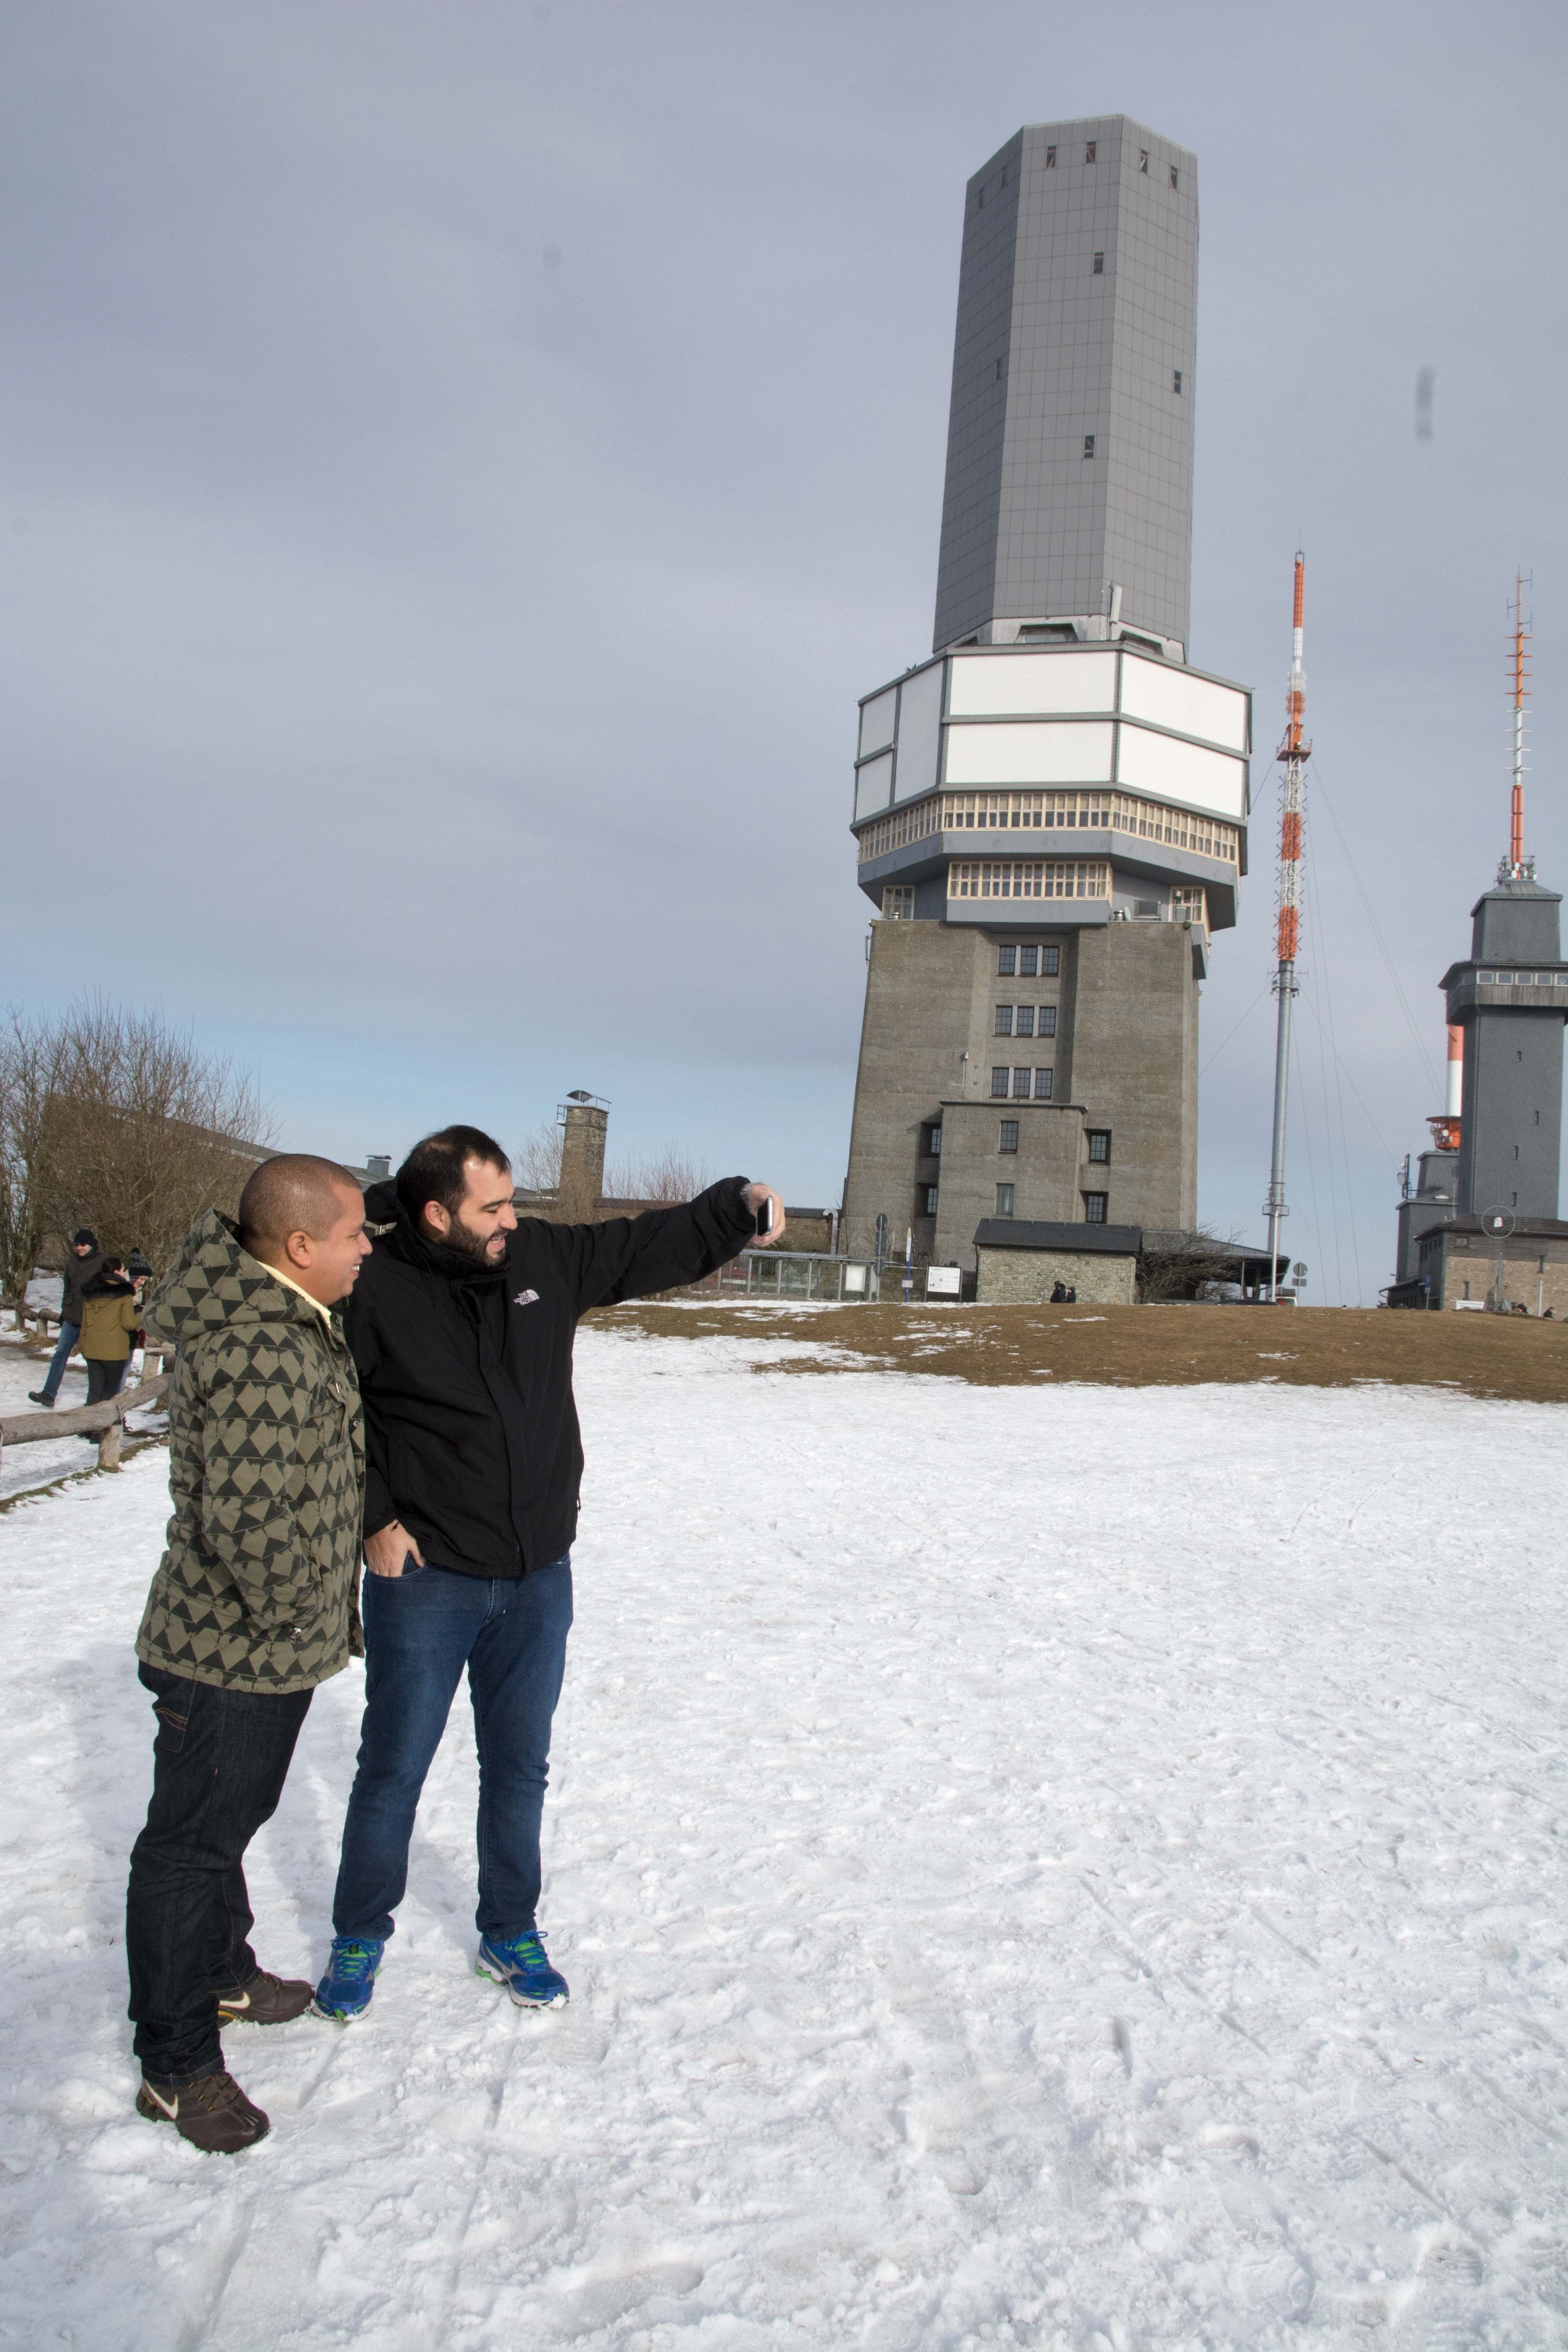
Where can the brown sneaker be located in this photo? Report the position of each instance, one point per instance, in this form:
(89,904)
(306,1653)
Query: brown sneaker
(265,2001)
(214,2114)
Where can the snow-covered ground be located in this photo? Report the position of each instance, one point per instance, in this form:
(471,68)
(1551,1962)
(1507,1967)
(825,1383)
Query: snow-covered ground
(1074,1868)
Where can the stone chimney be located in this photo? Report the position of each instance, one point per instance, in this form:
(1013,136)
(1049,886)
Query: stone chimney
(585,1122)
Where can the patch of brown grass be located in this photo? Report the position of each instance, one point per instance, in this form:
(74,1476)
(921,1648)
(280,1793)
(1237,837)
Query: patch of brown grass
(1143,1347)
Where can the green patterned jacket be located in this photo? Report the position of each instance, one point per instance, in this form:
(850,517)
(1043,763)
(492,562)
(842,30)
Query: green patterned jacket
(258,1590)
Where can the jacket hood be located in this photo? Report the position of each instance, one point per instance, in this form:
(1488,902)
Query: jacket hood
(395,1232)
(214,1285)
(105,1284)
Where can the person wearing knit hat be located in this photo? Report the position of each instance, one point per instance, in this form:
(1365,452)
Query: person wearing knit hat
(85,1262)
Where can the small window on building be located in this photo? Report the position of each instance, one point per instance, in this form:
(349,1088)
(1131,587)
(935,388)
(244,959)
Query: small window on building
(1175,379)
(1028,962)
(1046,1020)
(1099,269)
(1021,1084)
(1173,176)
(1023,1021)
(1004,175)
(1007,963)
(933,1141)
(1009,1135)
(1003,1021)
(1089,445)
(1051,159)
(1051,962)
(1004,1200)
(980,203)
(898,902)
(1099,1145)
(1045,1082)
(1089,152)
(1143,159)
(997,378)
(1094,1207)
(999,1082)
(929,1194)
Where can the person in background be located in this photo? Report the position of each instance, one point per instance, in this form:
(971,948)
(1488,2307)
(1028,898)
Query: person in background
(110,1319)
(255,1603)
(83,1262)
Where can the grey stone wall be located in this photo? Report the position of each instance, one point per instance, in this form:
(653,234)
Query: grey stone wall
(1026,1278)
(1124,1057)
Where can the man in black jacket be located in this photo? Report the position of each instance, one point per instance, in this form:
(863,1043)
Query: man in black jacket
(461,1327)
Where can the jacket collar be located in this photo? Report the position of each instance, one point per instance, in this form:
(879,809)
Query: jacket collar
(397,1233)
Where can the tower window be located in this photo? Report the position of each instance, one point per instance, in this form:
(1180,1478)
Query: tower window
(1173,175)
(1051,962)
(1089,445)
(1045,1025)
(1175,377)
(1009,1135)
(1004,1200)
(1099,1145)
(998,376)
(1094,1208)
(1043,1082)
(1007,963)
(898,902)
(1051,159)
(1021,1084)
(1004,175)
(1023,1021)
(930,1192)
(1143,159)
(933,1141)
(1003,1021)
(1089,152)
(1099,269)
(1028,962)
(999,1082)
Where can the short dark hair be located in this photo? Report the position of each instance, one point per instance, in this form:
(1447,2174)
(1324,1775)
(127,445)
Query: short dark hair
(294,1193)
(435,1169)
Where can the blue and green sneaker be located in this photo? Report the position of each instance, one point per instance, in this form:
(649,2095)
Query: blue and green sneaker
(519,1963)
(344,1992)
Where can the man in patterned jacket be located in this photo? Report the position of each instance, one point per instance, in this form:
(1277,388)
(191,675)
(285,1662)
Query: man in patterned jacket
(256,1601)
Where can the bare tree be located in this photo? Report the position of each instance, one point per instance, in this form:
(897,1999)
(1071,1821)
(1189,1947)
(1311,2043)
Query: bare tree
(30,1062)
(662,1177)
(136,1131)
(1175,1265)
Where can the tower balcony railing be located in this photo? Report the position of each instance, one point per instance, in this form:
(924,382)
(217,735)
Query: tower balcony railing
(1085,810)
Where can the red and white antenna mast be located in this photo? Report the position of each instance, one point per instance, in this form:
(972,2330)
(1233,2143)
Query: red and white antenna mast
(1516,866)
(1294,752)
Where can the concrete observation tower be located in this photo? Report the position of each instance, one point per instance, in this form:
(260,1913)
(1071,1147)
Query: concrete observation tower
(1051,810)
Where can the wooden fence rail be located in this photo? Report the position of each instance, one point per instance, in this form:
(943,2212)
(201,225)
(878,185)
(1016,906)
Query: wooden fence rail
(105,1422)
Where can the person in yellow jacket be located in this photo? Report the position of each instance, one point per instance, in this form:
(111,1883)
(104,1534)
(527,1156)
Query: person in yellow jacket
(110,1317)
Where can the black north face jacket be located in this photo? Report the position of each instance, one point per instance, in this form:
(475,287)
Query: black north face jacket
(471,1436)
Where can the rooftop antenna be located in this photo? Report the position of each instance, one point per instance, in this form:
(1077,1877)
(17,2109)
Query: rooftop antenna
(1516,866)
(1294,752)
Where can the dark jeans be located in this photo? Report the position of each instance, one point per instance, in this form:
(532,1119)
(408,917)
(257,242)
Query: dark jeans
(69,1333)
(103,1379)
(420,1630)
(219,1763)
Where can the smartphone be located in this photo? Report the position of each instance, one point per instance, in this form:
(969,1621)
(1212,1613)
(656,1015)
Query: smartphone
(765,1219)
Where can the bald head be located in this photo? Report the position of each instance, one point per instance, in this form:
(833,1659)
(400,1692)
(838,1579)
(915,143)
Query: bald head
(306,1217)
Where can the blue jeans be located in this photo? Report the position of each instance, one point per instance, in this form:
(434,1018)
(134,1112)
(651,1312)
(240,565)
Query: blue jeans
(420,1630)
(69,1333)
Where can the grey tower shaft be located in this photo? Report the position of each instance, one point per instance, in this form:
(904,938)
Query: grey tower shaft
(1069,457)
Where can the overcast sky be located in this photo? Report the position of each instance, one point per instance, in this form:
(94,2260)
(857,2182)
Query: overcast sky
(464,460)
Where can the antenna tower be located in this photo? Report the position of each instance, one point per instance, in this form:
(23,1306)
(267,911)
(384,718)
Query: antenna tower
(1516,866)
(1294,752)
